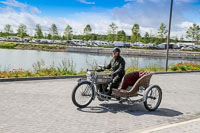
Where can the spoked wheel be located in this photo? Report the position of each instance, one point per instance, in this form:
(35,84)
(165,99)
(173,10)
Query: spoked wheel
(82,94)
(153,98)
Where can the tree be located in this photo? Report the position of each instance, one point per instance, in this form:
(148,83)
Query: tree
(68,32)
(113,28)
(181,39)
(112,31)
(38,32)
(193,32)
(1,34)
(102,37)
(87,29)
(162,32)
(93,36)
(176,39)
(22,30)
(49,36)
(8,30)
(53,32)
(135,33)
(121,36)
(146,38)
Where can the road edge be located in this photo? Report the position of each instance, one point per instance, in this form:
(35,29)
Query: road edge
(74,76)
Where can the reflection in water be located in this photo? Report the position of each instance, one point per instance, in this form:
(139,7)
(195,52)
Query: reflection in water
(14,59)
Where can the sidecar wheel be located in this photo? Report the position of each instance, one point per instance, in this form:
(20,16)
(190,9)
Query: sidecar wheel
(82,94)
(153,98)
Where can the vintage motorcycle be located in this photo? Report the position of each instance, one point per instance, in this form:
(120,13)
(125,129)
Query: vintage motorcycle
(97,84)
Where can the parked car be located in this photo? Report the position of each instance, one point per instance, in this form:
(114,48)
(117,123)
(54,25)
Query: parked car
(187,48)
(118,43)
(150,45)
(127,45)
(161,46)
(26,40)
(196,46)
(2,39)
(58,41)
(49,41)
(14,39)
(164,46)
(77,42)
(101,43)
(34,40)
(43,40)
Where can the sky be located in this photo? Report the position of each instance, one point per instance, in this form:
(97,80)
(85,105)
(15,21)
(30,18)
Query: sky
(149,14)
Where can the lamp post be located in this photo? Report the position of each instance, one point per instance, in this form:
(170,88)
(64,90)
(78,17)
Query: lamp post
(168,38)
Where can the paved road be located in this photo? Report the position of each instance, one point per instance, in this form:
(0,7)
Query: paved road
(46,107)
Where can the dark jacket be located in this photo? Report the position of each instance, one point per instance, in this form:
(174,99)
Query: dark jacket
(118,66)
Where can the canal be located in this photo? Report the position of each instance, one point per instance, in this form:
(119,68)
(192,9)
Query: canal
(14,59)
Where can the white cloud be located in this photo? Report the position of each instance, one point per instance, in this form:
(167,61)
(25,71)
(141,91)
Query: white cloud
(22,6)
(99,23)
(14,3)
(186,1)
(151,13)
(185,25)
(34,9)
(139,1)
(147,14)
(175,1)
(85,2)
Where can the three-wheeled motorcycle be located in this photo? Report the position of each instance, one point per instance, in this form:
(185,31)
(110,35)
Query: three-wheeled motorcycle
(96,85)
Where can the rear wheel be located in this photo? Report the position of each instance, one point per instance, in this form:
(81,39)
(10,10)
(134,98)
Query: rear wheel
(82,94)
(153,98)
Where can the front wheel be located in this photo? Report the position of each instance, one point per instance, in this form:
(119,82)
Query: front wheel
(153,98)
(83,94)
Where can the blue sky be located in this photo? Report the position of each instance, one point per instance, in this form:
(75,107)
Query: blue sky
(99,14)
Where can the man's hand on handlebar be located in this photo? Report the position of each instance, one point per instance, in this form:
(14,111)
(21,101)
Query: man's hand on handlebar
(100,69)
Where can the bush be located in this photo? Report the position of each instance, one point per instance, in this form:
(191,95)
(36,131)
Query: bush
(7,45)
(152,68)
(40,69)
(186,66)
(67,68)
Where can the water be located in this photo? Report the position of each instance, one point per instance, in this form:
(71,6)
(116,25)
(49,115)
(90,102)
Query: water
(14,59)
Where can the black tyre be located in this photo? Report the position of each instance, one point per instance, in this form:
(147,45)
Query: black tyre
(82,94)
(153,98)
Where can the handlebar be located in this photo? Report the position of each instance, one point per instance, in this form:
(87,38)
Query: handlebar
(101,68)
(90,70)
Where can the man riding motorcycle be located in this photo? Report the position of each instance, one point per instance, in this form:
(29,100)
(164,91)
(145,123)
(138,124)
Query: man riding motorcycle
(117,64)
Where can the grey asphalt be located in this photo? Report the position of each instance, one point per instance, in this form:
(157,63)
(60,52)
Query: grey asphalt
(45,106)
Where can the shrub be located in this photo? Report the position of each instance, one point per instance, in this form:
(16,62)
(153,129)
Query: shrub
(67,68)
(152,68)
(8,45)
(186,66)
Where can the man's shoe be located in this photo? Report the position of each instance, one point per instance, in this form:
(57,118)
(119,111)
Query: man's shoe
(118,98)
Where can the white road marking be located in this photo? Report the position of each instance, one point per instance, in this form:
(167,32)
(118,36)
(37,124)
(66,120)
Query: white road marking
(169,126)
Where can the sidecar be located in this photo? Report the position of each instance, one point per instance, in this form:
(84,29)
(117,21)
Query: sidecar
(136,84)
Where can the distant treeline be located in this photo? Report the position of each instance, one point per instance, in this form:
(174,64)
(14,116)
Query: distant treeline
(113,34)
